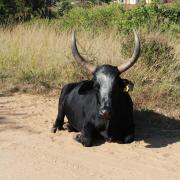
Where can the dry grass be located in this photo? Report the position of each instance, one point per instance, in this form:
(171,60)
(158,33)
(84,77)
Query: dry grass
(40,56)
(35,55)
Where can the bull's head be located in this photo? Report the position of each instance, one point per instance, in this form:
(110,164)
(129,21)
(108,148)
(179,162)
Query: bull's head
(106,78)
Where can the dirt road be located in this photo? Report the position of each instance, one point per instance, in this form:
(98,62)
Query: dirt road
(28,151)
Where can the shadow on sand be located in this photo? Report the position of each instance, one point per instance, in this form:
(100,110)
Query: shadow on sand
(156,129)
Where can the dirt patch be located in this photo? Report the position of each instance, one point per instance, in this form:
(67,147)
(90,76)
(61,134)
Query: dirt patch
(29,151)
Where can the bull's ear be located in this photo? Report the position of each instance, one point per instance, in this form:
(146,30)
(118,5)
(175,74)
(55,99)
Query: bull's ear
(85,86)
(127,85)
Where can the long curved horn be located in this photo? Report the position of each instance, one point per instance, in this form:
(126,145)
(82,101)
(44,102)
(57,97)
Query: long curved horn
(122,68)
(84,63)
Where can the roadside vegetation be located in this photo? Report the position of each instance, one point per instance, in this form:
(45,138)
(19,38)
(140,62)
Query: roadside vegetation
(35,54)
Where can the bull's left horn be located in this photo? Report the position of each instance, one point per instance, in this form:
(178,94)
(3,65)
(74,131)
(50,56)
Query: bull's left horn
(84,63)
(122,68)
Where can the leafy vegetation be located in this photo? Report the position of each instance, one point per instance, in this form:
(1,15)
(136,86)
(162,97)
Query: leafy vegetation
(37,54)
(86,16)
(122,18)
(14,10)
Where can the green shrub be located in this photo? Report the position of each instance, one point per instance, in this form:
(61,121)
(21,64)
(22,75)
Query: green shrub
(62,7)
(155,51)
(14,10)
(161,17)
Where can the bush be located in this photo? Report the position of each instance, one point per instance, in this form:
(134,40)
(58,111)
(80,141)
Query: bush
(160,17)
(156,52)
(62,7)
(14,10)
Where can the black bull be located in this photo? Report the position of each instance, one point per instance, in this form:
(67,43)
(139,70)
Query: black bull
(100,105)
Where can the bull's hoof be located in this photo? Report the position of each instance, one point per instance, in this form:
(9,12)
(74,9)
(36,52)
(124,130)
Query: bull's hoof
(70,128)
(54,129)
(109,139)
(129,139)
(81,139)
(77,138)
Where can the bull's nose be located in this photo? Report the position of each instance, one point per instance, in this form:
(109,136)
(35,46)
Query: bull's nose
(105,114)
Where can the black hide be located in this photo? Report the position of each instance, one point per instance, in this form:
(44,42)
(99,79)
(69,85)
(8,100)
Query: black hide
(98,106)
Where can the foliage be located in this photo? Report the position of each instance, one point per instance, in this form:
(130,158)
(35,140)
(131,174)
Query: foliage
(155,51)
(14,10)
(85,16)
(124,19)
(62,7)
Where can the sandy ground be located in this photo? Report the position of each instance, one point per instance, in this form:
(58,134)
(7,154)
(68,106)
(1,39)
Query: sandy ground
(29,151)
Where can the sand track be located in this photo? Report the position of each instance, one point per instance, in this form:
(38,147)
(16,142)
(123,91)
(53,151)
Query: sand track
(29,151)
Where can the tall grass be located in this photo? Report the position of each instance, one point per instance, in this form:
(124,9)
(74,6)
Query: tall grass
(35,55)
(39,56)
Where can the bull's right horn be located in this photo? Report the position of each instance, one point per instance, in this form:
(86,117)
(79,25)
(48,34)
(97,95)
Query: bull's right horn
(124,67)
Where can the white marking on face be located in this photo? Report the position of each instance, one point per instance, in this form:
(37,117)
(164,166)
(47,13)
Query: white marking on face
(105,82)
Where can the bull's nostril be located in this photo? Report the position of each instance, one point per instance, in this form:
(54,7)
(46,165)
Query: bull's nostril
(105,114)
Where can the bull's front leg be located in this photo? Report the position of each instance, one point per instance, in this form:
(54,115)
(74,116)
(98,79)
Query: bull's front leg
(86,136)
(129,137)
